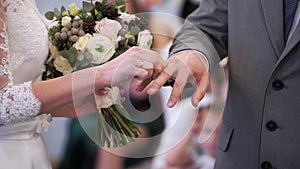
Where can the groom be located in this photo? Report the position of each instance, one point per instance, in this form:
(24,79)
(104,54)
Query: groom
(261,39)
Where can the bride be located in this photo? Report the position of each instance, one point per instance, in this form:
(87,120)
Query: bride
(27,104)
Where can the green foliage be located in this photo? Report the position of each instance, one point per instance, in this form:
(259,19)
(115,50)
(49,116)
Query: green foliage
(121,5)
(54,29)
(70,54)
(49,15)
(57,14)
(86,6)
(135,30)
(63,11)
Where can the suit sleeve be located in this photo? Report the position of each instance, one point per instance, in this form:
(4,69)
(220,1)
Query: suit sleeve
(205,30)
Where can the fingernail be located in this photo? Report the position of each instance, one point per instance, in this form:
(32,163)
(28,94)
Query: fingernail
(170,103)
(196,103)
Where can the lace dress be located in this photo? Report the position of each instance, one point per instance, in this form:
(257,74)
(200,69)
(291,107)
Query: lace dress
(23,49)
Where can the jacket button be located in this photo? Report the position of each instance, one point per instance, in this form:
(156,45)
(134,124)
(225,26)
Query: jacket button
(277,85)
(266,165)
(271,126)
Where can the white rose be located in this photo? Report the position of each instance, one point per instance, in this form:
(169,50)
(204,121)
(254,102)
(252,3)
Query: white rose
(62,64)
(127,18)
(112,97)
(108,27)
(66,20)
(82,42)
(101,47)
(145,39)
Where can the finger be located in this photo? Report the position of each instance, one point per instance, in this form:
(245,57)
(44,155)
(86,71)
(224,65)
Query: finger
(101,92)
(148,66)
(152,57)
(147,55)
(158,82)
(201,87)
(143,84)
(161,79)
(130,72)
(139,73)
(150,73)
(178,87)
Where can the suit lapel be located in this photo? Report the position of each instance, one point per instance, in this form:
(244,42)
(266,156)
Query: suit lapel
(273,13)
(295,38)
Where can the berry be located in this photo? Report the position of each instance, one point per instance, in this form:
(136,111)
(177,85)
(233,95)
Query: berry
(73,38)
(81,32)
(64,29)
(63,35)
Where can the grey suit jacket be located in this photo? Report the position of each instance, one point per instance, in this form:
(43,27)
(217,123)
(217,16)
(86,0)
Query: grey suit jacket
(262,112)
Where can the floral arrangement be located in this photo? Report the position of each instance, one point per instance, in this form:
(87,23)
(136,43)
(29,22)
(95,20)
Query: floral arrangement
(89,36)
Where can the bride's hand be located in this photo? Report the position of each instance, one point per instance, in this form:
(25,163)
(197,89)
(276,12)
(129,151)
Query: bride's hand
(134,63)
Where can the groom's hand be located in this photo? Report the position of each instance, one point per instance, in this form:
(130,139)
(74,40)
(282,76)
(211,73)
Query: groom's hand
(184,66)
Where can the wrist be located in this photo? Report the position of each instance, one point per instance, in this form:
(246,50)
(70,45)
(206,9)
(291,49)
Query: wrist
(102,77)
(195,53)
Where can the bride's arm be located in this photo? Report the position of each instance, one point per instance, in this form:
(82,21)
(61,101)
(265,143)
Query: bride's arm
(61,91)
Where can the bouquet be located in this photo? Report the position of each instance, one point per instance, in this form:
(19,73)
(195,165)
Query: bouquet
(90,36)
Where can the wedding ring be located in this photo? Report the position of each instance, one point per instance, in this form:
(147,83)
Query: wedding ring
(141,64)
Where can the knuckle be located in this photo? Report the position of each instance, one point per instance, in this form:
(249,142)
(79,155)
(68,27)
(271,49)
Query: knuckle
(201,93)
(155,84)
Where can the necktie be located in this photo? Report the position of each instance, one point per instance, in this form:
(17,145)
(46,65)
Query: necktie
(290,7)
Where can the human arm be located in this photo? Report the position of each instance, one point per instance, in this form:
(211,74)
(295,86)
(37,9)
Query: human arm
(205,31)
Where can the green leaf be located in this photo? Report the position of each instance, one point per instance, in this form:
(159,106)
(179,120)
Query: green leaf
(72,60)
(70,54)
(104,2)
(73,50)
(54,29)
(57,14)
(49,15)
(87,6)
(63,11)
(66,54)
(121,5)
(128,35)
(98,15)
(135,30)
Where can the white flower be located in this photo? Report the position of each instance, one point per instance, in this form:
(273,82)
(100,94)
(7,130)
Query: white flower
(108,27)
(112,97)
(127,18)
(82,42)
(62,64)
(52,24)
(76,18)
(101,47)
(66,20)
(145,39)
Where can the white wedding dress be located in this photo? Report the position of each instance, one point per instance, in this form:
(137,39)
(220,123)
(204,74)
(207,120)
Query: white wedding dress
(25,44)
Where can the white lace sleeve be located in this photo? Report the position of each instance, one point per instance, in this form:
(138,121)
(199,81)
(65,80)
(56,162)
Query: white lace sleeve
(17,102)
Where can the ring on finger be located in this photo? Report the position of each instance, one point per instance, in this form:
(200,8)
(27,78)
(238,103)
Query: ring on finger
(141,64)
